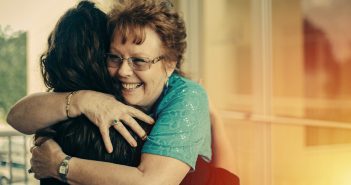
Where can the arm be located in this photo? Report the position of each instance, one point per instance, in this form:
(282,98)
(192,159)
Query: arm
(182,133)
(153,169)
(41,110)
(222,149)
(38,111)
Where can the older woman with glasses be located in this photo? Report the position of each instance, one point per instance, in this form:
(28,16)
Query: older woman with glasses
(144,59)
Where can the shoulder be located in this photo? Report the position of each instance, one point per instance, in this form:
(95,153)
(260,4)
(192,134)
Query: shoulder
(182,129)
(183,85)
(184,92)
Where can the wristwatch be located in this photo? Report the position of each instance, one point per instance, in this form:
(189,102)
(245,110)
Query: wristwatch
(63,169)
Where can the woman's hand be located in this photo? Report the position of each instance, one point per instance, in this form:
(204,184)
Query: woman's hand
(105,111)
(46,158)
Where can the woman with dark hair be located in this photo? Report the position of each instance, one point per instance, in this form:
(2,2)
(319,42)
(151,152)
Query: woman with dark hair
(146,51)
(66,68)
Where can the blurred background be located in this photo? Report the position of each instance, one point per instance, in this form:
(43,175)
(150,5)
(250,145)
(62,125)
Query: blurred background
(278,70)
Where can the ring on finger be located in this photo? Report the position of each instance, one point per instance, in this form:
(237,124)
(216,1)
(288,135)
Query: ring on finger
(144,137)
(115,122)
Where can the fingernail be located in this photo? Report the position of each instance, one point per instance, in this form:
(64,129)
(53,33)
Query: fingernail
(134,144)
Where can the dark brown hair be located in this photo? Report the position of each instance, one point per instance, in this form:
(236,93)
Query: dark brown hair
(131,17)
(74,58)
(75,61)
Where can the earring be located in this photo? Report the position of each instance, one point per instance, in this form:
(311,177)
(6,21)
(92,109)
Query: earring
(165,88)
(166,84)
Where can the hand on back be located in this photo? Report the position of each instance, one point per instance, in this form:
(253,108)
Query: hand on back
(105,111)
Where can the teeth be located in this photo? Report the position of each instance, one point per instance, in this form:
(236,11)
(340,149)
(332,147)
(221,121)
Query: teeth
(130,85)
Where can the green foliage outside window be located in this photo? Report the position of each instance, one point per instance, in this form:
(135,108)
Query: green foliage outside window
(13,68)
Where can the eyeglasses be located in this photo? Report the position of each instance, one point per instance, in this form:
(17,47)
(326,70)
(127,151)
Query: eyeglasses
(136,63)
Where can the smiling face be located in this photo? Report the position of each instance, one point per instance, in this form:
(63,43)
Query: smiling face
(140,88)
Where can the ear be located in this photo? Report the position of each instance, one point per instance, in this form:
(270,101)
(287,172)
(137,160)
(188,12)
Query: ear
(170,67)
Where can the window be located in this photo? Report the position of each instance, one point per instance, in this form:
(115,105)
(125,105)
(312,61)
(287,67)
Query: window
(13,68)
(279,72)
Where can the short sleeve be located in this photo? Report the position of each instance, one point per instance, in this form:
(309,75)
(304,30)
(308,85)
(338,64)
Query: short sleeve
(182,129)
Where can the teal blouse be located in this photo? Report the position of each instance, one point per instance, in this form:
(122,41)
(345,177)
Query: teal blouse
(182,129)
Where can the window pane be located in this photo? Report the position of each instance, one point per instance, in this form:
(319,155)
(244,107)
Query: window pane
(311,59)
(226,57)
(13,68)
(327,59)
